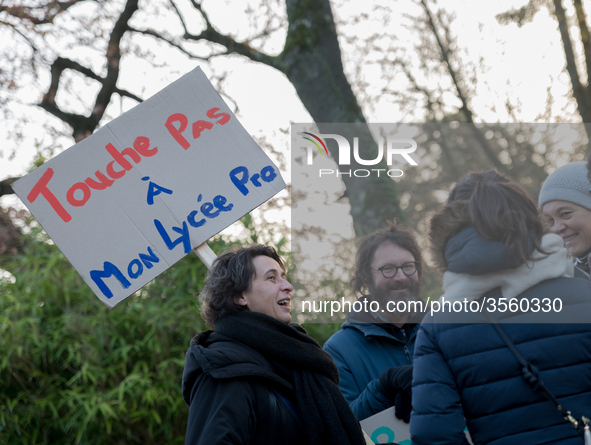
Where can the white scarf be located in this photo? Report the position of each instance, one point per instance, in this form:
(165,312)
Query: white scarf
(513,282)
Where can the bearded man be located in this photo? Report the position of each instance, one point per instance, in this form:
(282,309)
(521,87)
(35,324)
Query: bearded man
(373,350)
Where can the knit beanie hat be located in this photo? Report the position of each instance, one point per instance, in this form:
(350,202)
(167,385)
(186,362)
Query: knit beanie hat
(568,183)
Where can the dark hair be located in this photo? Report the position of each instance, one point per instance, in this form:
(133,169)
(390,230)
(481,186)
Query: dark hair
(231,275)
(501,210)
(396,234)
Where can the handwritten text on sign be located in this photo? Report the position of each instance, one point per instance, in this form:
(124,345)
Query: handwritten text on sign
(135,197)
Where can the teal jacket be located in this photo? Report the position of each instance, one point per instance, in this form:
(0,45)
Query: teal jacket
(361,352)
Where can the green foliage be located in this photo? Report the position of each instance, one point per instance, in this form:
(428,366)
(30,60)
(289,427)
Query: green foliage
(74,372)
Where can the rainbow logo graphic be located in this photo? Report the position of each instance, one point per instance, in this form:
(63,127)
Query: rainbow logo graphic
(316,143)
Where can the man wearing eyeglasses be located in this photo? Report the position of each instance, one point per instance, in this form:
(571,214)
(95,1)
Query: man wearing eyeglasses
(373,350)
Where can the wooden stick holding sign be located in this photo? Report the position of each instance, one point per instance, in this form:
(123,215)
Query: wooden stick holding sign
(138,195)
(205,254)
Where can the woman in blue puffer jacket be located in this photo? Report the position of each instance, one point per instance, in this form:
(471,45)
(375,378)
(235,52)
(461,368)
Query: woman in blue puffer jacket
(489,241)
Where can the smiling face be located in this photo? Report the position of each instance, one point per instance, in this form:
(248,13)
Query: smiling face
(399,286)
(389,254)
(572,222)
(269,292)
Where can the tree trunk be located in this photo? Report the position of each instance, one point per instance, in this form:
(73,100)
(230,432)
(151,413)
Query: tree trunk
(312,62)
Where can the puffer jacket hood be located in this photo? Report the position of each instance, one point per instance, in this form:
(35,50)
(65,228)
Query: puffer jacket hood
(457,247)
(444,225)
(463,254)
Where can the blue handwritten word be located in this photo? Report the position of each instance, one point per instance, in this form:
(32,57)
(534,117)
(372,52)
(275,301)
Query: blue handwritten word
(154,190)
(267,174)
(134,270)
(184,238)
(207,209)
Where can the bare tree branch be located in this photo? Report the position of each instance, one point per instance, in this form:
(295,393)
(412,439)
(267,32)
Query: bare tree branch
(84,126)
(48,102)
(521,16)
(151,32)
(65,63)
(446,56)
(267,31)
(232,46)
(181,18)
(5,186)
(15,29)
(113,59)
(125,93)
(579,90)
(48,11)
(582,19)
(445,149)
(416,87)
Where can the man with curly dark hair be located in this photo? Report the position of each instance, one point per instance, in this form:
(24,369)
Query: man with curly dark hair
(374,348)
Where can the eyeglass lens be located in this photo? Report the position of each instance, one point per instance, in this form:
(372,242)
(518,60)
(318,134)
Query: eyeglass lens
(390,270)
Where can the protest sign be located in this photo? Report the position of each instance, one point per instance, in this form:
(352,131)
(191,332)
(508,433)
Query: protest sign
(135,197)
(384,427)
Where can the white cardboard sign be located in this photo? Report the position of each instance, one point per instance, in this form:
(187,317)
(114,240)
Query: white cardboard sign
(135,197)
(384,427)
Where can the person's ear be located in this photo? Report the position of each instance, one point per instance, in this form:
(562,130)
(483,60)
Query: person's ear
(240,300)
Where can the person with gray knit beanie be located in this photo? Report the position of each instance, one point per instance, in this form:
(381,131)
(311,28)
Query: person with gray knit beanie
(565,201)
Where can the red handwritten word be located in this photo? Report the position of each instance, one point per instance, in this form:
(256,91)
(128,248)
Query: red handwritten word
(198,126)
(141,146)
(121,159)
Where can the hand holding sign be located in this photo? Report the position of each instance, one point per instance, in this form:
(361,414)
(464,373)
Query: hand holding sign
(384,427)
(396,383)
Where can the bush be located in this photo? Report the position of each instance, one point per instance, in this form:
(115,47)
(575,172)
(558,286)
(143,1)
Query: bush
(74,372)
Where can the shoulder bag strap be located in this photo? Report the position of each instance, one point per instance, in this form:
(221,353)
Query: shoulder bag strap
(532,375)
